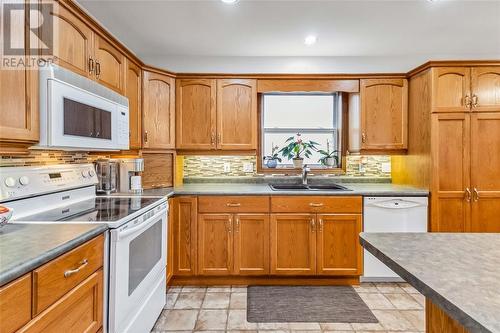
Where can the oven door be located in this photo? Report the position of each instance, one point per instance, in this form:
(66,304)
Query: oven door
(81,119)
(137,264)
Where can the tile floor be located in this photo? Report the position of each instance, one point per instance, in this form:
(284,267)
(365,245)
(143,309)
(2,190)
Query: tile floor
(397,306)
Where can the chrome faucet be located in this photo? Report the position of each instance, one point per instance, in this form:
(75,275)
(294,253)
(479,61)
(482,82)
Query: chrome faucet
(305,172)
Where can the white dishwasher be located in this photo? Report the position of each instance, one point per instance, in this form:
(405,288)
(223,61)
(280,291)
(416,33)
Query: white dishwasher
(391,214)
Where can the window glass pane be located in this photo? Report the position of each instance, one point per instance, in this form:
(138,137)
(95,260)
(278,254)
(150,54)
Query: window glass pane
(298,111)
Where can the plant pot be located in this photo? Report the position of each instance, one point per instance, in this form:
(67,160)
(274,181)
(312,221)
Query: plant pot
(272,163)
(330,162)
(298,162)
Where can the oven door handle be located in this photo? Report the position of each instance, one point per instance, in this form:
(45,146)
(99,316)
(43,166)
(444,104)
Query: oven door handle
(144,225)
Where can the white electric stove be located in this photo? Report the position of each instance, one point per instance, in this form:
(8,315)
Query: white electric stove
(135,258)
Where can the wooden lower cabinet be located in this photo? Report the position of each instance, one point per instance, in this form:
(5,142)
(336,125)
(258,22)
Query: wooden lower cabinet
(215,253)
(184,221)
(251,244)
(293,244)
(437,321)
(80,310)
(15,304)
(338,249)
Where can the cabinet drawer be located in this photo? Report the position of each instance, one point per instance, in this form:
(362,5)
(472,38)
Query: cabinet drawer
(56,278)
(233,204)
(15,304)
(80,310)
(316,204)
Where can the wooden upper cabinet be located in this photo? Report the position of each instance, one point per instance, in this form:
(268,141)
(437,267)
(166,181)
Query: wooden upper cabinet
(384,114)
(184,216)
(133,91)
(19,101)
(196,114)
(158,121)
(251,244)
(485,83)
(450,149)
(293,244)
(215,244)
(73,40)
(109,65)
(338,249)
(236,114)
(485,172)
(451,89)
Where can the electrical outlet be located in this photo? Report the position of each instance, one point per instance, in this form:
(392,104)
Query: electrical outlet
(247,167)
(227,167)
(386,167)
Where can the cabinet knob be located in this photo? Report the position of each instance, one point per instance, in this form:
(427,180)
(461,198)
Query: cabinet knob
(467,101)
(474,101)
(363,137)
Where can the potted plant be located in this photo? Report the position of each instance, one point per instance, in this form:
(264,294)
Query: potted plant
(329,158)
(296,147)
(273,159)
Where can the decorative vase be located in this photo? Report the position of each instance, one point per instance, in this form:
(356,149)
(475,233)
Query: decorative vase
(298,162)
(272,163)
(330,162)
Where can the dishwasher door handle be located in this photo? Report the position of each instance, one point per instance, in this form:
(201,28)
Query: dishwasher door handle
(396,204)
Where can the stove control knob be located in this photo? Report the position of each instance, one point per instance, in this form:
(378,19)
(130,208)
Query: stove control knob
(24,180)
(84,174)
(91,173)
(10,182)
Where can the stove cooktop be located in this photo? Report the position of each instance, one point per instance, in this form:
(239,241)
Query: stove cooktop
(98,209)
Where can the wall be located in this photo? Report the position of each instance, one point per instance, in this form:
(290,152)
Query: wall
(213,167)
(47,157)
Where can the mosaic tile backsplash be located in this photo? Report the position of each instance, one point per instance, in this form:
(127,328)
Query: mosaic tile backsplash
(213,166)
(47,157)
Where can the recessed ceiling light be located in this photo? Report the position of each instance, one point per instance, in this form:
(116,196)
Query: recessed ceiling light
(310,40)
(230,2)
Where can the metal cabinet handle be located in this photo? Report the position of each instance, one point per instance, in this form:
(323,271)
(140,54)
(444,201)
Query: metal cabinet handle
(467,101)
(312,204)
(145,136)
(97,134)
(70,272)
(91,65)
(229,204)
(237,225)
(468,195)
(313,225)
(363,137)
(212,139)
(97,68)
(474,101)
(476,194)
(320,225)
(230,225)
(219,138)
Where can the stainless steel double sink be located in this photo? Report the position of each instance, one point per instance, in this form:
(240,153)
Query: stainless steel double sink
(305,187)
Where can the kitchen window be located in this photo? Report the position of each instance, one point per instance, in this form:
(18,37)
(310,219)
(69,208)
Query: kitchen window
(317,117)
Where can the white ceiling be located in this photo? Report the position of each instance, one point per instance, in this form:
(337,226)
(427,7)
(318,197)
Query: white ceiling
(262,36)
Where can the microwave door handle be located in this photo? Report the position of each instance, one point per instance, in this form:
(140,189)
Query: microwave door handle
(143,226)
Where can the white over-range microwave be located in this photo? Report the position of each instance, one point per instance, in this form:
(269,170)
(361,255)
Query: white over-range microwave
(77,113)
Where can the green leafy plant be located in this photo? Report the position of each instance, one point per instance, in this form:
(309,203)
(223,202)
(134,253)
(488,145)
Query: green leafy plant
(328,154)
(274,153)
(295,147)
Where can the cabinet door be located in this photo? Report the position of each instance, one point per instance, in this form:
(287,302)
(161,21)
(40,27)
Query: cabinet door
(19,99)
(485,172)
(73,40)
(184,214)
(485,88)
(196,114)
(133,91)
(236,114)
(451,89)
(450,172)
(384,114)
(293,244)
(15,304)
(110,65)
(158,111)
(215,244)
(80,310)
(338,248)
(251,244)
